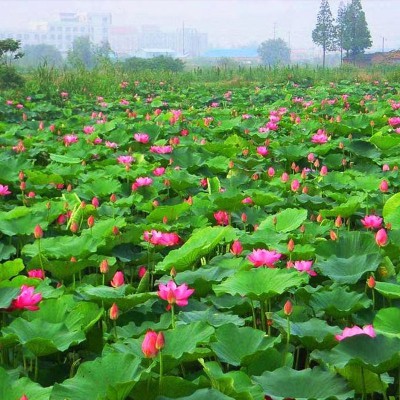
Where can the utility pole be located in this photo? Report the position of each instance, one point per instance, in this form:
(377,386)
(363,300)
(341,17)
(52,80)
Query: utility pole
(383,45)
(274,30)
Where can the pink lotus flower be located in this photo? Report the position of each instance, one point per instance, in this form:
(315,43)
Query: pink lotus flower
(111,145)
(141,137)
(127,160)
(174,294)
(161,238)
(4,190)
(394,121)
(159,171)
(356,330)
(152,343)
(236,248)
(247,200)
(295,185)
(36,273)
(161,149)
(222,217)
(69,139)
(372,222)
(384,186)
(142,181)
(142,271)
(118,279)
(87,130)
(261,257)
(305,266)
(26,300)
(271,172)
(262,151)
(320,137)
(381,237)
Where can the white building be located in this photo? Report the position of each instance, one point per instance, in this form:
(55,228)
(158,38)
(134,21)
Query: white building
(63,32)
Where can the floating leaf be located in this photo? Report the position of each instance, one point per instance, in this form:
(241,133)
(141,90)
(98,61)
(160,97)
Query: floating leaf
(236,346)
(111,377)
(261,283)
(288,383)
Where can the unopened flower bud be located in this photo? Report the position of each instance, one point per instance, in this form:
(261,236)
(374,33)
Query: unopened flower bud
(288,308)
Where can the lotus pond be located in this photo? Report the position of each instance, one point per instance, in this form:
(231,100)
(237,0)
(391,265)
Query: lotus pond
(173,242)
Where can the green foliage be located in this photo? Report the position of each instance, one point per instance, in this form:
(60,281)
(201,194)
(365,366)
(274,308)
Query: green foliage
(160,63)
(41,54)
(274,52)
(356,36)
(324,32)
(10,50)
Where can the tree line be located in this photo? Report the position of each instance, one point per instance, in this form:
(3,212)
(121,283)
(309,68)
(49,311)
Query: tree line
(349,33)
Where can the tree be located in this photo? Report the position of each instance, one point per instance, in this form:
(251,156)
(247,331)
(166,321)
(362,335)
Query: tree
(340,27)
(324,32)
(356,35)
(10,50)
(274,52)
(83,53)
(37,54)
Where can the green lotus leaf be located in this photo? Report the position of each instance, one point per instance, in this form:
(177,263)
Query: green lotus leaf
(7,295)
(387,321)
(237,346)
(16,388)
(261,283)
(288,383)
(172,213)
(380,354)
(199,244)
(211,317)
(186,338)
(64,159)
(111,377)
(108,295)
(388,289)
(313,334)
(339,302)
(42,337)
(6,251)
(235,383)
(209,394)
(346,260)
(10,269)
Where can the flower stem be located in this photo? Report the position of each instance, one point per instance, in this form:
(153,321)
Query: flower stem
(40,255)
(263,323)
(172,316)
(161,371)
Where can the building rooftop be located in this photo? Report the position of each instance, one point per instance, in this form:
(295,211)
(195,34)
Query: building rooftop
(245,52)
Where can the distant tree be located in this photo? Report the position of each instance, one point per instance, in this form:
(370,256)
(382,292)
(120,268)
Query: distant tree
(356,35)
(9,51)
(274,52)
(340,28)
(324,34)
(37,54)
(83,53)
(160,63)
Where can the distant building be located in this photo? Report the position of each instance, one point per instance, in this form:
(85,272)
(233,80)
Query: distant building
(379,58)
(63,32)
(187,42)
(245,55)
(123,40)
(151,53)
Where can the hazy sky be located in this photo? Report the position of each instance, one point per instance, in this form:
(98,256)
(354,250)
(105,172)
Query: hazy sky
(227,22)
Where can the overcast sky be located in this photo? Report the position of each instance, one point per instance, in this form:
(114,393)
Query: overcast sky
(227,22)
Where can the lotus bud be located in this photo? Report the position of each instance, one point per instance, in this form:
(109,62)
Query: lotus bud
(288,308)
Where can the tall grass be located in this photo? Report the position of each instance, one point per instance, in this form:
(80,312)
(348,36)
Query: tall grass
(105,79)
